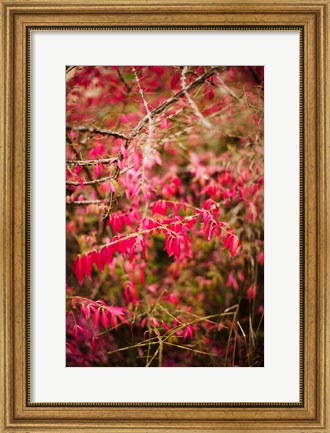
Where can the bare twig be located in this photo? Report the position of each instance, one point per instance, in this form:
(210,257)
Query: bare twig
(128,88)
(90,162)
(147,148)
(192,103)
(89,182)
(96,130)
(190,349)
(149,116)
(156,111)
(100,180)
(87,202)
(85,168)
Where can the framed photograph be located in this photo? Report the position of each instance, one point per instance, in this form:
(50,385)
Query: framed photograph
(164,208)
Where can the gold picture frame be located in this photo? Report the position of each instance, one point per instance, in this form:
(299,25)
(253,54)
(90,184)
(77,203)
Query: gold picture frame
(312,414)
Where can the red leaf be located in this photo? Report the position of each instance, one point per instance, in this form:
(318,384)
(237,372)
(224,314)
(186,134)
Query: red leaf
(209,232)
(251,292)
(113,321)
(71,348)
(116,311)
(175,79)
(96,318)
(234,245)
(97,170)
(240,276)
(231,281)
(188,332)
(261,258)
(105,318)
(123,150)
(211,93)
(85,309)
(106,255)
(176,247)
(87,264)
(163,124)
(75,331)
(88,312)
(98,259)
(93,343)
(155,322)
(165,326)
(78,269)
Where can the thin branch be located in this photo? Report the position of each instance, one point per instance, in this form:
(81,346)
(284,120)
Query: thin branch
(166,337)
(90,162)
(149,116)
(175,98)
(147,148)
(191,349)
(85,168)
(160,226)
(94,129)
(228,90)
(142,232)
(128,88)
(196,75)
(93,162)
(89,182)
(87,202)
(100,180)
(192,103)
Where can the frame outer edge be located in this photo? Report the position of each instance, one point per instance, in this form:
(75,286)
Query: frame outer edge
(2,219)
(6,218)
(326,69)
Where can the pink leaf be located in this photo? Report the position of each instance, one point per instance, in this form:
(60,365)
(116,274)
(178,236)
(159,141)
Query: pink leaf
(78,269)
(112,186)
(163,124)
(96,318)
(261,258)
(87,264)
(211,93)
(155,322)
(98,259)
(106,255)
(93,343)
(105,318)
(98,168)
(175,79)
(188,332)
(240,276)
(88,312)
(71,348)
(231,281)
(165,326)
(234,245)
(251,292)
(75,331)
(116,311)
(123,150)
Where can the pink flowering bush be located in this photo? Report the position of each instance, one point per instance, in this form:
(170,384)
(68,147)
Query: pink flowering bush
(164,193)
